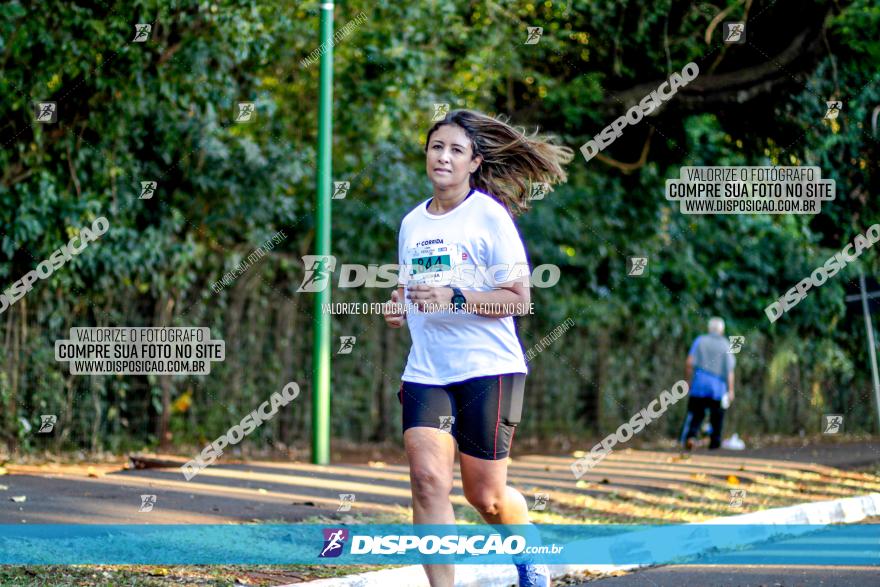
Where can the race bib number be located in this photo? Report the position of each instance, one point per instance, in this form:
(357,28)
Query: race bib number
(432,264)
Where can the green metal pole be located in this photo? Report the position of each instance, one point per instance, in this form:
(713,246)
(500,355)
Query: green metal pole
(872,352)
(321,349)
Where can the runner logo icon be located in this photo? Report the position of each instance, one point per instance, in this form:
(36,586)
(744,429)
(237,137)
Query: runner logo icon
(318,270)
(47,423)
(334,541)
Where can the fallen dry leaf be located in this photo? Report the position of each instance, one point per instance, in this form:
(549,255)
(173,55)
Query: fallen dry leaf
(158,571)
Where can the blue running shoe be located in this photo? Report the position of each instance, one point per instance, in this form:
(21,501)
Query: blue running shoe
(531,575)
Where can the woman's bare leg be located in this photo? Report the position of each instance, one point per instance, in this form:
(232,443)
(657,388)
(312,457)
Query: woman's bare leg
(486,488)
(431,455)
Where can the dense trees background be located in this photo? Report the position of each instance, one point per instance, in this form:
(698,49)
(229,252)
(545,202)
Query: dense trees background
(163,111)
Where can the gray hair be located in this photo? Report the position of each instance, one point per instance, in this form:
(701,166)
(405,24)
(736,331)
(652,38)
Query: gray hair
(716,325)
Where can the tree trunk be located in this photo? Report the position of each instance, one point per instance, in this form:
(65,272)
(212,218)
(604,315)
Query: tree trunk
(285,319)
(15,364)
(236,342)
(383,388)
(163,318)
(597,405)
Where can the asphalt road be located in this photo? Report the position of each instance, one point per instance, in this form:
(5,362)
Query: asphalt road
(745,576)
(851,455)
(290,492)
(812,548)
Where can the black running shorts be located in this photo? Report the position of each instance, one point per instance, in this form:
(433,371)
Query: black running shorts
(484,410)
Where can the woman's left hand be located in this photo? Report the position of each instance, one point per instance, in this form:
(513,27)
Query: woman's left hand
(430,299)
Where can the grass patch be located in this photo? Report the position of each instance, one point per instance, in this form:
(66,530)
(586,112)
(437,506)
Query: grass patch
(183,576)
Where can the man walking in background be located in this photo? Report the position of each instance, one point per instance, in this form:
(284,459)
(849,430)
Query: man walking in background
(709,368)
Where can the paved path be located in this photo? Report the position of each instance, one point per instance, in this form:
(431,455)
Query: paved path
(737,575)
(628,486)
(745,576)
(775,575)
(843,456)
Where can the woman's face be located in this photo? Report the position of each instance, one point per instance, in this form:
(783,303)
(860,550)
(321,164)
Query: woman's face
(449,159)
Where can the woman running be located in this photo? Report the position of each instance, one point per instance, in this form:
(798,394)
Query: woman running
(465,373)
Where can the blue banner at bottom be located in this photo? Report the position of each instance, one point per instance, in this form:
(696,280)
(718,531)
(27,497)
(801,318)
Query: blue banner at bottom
(289,544)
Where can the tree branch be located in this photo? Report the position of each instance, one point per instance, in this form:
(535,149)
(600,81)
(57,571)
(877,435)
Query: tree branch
(72,169)
(169,52)
(717,20)
(8,182)
(629,167)
(737,86)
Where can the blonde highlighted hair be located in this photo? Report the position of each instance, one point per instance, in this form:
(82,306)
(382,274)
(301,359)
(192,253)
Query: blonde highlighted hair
(512,160)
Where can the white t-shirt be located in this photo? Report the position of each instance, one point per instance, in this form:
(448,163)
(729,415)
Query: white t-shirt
(475,247)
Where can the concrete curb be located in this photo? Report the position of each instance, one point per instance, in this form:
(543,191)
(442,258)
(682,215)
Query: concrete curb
(847,510)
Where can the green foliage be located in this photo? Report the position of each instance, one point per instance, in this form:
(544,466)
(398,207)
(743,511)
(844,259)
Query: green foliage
(162,111)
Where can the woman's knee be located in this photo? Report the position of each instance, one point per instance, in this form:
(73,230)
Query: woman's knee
(428,484)
(485,500)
